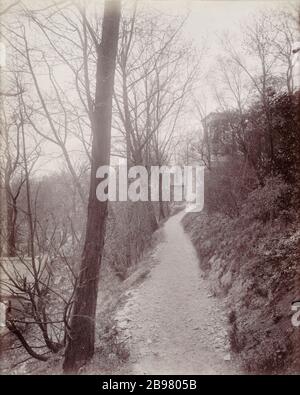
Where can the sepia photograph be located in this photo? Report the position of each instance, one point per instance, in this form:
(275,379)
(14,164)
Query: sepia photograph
(149,190)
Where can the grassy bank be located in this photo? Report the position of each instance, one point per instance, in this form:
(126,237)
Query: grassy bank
(251,261)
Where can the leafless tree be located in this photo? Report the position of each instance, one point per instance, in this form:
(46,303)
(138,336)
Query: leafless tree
(27,280)
(47,110)
(148,100)
(80,347)
(268,40)
(283,45)
(155,73)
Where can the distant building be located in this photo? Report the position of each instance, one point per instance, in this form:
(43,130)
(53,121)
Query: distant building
(215,130)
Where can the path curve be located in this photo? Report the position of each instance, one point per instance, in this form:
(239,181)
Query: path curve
(174,324)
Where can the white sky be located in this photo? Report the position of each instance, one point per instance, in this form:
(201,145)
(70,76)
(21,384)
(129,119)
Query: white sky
(209,16)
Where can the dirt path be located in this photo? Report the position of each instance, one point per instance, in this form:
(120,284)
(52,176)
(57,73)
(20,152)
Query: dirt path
(175,326)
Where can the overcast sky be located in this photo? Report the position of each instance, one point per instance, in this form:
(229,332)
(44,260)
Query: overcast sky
(210,16)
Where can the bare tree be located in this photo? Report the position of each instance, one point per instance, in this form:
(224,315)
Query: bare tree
(14,180)
(81,340)
(13,164)
(153,82)
(268,40)
(26,280)
(283,23)
(47,110)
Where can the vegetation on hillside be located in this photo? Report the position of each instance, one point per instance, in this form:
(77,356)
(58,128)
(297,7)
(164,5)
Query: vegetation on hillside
(248,237)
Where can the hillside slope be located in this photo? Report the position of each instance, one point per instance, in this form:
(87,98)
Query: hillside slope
(252,265)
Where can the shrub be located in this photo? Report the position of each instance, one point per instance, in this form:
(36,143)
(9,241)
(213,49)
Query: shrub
(266,202)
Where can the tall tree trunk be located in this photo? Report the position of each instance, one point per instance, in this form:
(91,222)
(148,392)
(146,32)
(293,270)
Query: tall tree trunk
(3,192)
(161,203)
(80,347)
(12,213)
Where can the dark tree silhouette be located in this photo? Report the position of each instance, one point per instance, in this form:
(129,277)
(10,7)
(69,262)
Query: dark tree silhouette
(81,339)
